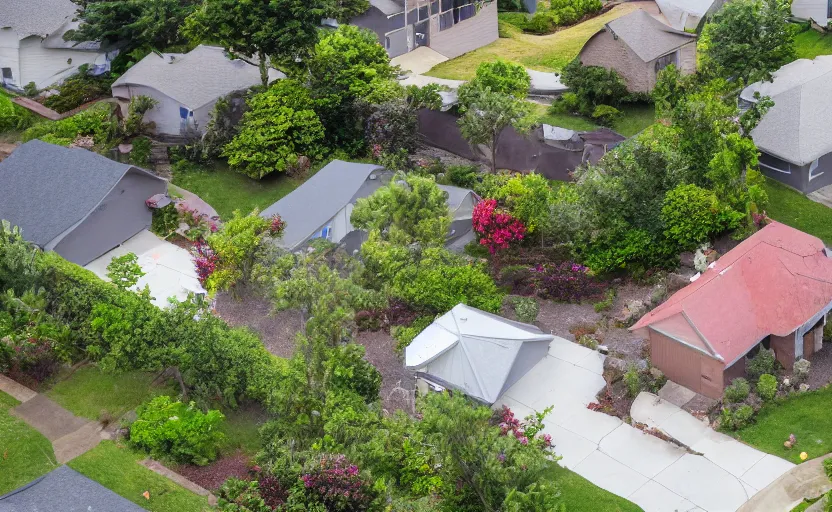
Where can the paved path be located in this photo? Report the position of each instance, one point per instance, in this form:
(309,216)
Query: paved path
(806,481)
(656,475)
(70,435)
(822,196)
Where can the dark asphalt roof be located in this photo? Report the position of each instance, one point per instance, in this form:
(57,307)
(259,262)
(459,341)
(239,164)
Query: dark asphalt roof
(47,189)
(65,490)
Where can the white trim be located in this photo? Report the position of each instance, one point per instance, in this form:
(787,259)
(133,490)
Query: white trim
(775,168)
(813,167)
(683,342)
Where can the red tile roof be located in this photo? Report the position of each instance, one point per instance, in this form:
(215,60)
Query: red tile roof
(772,283)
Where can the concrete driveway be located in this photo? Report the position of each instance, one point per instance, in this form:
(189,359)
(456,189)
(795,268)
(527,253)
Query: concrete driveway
(169,269)
(656,475)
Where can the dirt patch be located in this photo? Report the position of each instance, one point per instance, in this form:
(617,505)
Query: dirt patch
(398,383)
(446,157)
(213,475)
(6,150)
(276,329)
(820,373)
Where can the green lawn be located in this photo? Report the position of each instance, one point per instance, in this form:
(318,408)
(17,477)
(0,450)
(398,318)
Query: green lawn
(805,415)
(117,469)
(810,43)
(241,428)
(581,495)
(545,53)
(798,211)
(636,118)
(24,453)
(227,190)
(89,391)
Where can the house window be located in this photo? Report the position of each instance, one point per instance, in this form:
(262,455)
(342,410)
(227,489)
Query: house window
(829,9)
(446,20)
(666,60)
(775,164)
(434,7)
(386,42)
(813,170)
(7,73)
(447,5)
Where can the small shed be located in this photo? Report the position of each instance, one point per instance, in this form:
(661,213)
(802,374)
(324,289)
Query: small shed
(186,86)
(476,352)
(73,201)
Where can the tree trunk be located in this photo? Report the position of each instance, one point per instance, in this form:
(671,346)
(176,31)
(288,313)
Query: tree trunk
(178,375)
(264,70)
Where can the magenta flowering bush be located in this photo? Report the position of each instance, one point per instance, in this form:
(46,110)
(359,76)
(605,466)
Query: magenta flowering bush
(205,260)
(526,431)
(496,228)
(337,484)
(565,282)
(276,226)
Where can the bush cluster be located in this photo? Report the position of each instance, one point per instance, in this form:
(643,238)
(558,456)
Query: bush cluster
(767,387)
(763,363)
(94,121)
(738,391)
(78,89)
(550,15)
(526,309)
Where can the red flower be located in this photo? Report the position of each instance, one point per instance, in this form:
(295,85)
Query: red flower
(496,228)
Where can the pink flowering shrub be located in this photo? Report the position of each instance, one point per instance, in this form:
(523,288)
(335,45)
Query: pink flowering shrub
(526,431)
(565,282)
(337,484)
(205,260)
(276,226)
(496,228)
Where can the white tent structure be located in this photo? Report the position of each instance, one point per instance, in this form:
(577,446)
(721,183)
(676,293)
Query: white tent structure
(476,352)
(687,14)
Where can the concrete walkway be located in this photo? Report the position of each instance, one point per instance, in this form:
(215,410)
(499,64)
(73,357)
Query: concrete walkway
(806,481)
(70,435)
(656,475)
(822,196)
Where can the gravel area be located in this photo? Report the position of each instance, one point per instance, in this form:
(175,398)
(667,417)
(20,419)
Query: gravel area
(213,475)
(446,157)
(398,384)
(821,372)
(276,329)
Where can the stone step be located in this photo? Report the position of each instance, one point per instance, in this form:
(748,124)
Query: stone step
(48,418)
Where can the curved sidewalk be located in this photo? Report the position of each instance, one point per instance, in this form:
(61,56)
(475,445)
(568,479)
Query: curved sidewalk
(805,481)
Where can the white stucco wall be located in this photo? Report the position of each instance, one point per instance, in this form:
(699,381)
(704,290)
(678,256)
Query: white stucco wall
(10,54)
(811,9)
(165,114)
(46,66)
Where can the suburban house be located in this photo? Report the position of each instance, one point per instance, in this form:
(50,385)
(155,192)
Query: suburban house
(688,14)
(478,353)
(773,290)
(186,85)
(450,27)
(637,46)
(73,201)
(321,207)
(793,136)
(819,11)
(32,46)
(66,490)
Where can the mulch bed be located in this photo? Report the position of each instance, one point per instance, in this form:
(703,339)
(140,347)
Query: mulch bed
(213,475)
(398,382)
(276,329)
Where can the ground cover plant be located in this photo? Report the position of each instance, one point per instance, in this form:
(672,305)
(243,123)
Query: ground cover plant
(809,44)
(26,453)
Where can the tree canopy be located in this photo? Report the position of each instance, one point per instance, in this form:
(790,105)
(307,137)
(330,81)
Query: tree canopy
(488,115)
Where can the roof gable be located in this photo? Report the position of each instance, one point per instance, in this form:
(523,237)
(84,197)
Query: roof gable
(772,283)
(47,189)
(646,36)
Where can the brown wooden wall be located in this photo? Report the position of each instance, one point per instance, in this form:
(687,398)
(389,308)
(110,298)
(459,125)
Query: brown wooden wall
(783,347)
(687,366)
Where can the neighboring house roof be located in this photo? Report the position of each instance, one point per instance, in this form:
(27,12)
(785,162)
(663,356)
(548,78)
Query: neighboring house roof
(315,202)
(677,11)
(648,37)
(477,352)
(196,78)
(65,490)
(56,39)
(35,17)
(388,7)
(796,128)
(771,284)
(48,189)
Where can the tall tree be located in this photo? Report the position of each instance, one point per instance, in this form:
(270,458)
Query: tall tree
(132,23)
(748,40)
(285,30)
(488,115)
(345,10)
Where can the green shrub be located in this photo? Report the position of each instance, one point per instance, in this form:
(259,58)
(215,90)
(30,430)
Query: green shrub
(594,86)
(800,370)
(767,387)
(526,309)
(177,431)
(465,176)
(125,271)
(606,304)
(737,419)
(404,335)
(568,103)
(95,121)
(140,155)
(515,19)
(540,23)
(606,115)
(78,89)
(165,221)
(591,343)
(30,90)
(827,467)
(12,116)
(737,391)
(692,215)
(632,379)
(503,77)
(438,288)
(763,363)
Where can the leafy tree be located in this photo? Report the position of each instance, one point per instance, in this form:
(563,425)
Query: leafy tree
(394,125)
(499,76)
(692,215)
(594,86)
(345,10)
(124,271)
(488,115)
(748,40)
(348,65)
(132,23)
(728,170)
(283,29)
(18,271)
(279,126)
(671,88)
(409,209)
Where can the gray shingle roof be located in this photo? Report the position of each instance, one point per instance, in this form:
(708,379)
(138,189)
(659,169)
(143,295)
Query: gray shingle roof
(65,490)
(796,128)
(41,17)
(323,195)
(648,37)
(195,78)
(388,7)
(47,189)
